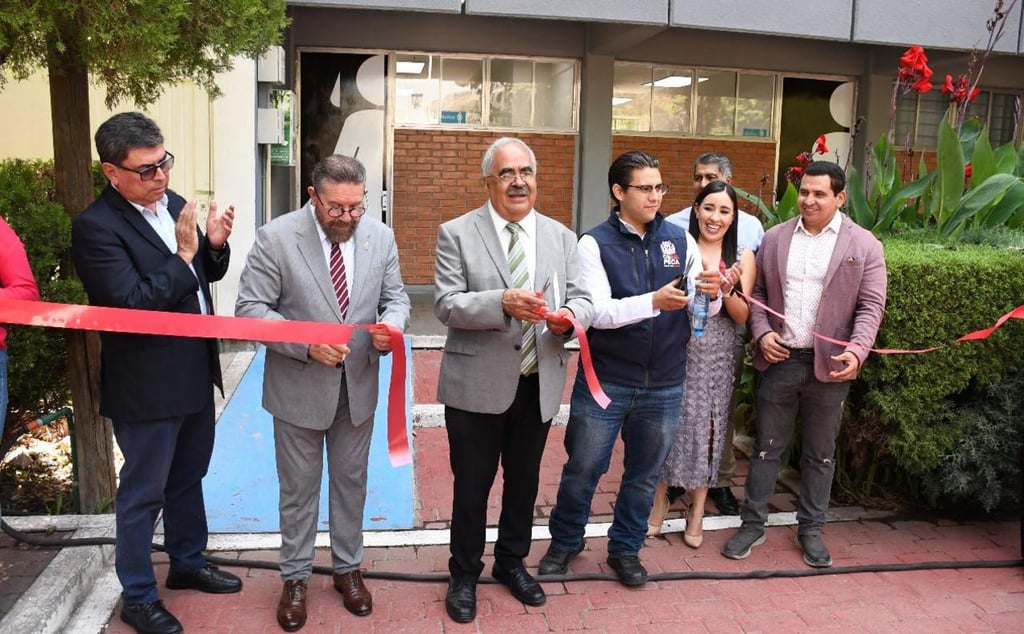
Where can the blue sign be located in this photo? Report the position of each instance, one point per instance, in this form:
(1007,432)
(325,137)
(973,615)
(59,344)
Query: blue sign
(453,116)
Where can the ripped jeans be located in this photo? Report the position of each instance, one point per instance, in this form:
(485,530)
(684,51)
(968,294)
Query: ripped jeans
(788,391)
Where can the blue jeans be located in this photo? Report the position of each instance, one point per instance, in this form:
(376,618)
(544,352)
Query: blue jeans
(789,391)
(3,387)
(647,418)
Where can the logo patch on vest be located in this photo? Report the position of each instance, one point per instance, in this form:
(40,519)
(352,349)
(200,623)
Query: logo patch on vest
(669,256)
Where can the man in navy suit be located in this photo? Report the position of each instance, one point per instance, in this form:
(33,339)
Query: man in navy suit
(138,246)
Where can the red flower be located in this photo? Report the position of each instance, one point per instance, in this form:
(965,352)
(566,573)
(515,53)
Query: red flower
(794,174)
(820,147)
(974,94)
(914,70)
(960,91)
(922,85)
(968,170)
(947,86)
(913,57)
(803,158)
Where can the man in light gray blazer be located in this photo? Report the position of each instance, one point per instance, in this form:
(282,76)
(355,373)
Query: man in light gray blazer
(827,276)
(324,262)
(499,268)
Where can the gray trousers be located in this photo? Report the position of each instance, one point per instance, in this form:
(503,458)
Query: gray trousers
(300,454)
(788,390)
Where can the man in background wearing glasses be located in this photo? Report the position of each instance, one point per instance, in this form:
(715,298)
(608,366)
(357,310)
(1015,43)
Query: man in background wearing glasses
(325,262)
(138,246)
(505,280)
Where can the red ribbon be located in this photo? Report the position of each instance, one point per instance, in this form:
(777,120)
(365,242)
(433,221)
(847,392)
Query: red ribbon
(152,322)
(586,362)
(1016,313)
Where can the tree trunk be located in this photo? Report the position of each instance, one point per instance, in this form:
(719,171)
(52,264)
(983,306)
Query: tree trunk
(72,169)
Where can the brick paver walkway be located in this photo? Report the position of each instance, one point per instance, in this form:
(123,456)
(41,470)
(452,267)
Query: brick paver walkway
(933,601)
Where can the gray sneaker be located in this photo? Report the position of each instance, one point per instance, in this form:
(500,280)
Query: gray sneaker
(816,554)
(740,544)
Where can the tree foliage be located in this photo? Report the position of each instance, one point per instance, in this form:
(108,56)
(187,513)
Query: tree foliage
(134,47)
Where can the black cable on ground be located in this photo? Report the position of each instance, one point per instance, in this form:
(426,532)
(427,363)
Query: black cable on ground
(45,542)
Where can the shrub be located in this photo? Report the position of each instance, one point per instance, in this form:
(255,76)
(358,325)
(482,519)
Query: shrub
(904,420)
(37,361)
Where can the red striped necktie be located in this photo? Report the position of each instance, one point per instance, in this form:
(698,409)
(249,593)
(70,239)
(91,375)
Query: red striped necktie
(338,278)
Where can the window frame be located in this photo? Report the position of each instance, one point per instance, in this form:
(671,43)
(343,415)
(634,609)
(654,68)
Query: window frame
(989,94)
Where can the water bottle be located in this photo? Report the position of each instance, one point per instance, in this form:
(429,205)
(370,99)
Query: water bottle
(699,313)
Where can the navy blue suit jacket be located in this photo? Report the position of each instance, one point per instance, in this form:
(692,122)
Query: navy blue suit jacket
(123,263)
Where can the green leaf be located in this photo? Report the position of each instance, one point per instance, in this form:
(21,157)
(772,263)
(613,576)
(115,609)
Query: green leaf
(951,174)
(970,132)
(896,204)
(984,162)
(1009,210)
(769,214)
(977,200)
(788,207)
(857,202)
(1006,159)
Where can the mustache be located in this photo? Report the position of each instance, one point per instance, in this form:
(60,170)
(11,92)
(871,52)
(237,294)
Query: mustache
(518,190)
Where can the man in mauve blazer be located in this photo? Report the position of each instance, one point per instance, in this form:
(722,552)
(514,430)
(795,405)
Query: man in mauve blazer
(324,394)
(138,246)
(827,275)
(499,398)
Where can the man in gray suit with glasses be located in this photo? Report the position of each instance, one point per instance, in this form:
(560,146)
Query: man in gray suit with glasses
(499,269)
(324,262)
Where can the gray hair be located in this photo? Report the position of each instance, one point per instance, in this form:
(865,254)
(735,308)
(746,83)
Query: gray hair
(124,132)
(488,162)
(337,168)
(715,158)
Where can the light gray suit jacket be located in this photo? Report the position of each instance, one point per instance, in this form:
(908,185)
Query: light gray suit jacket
(852,298)
(286,277)
(480,367)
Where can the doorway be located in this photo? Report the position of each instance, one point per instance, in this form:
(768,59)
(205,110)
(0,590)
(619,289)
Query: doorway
(342,111)
(811,108)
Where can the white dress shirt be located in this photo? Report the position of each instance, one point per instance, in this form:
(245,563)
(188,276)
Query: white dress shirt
(163,224)
(809,256)
(614,313)
(527,238)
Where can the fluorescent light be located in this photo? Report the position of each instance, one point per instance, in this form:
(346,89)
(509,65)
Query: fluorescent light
(409,68)
(674,81)
(618,101)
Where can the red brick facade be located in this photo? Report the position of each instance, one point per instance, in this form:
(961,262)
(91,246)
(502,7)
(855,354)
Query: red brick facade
(437,178)
(751,161)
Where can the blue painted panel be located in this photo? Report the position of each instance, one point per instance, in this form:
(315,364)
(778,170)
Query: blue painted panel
(241,488)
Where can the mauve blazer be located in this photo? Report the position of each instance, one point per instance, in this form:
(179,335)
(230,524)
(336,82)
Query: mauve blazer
(852,299)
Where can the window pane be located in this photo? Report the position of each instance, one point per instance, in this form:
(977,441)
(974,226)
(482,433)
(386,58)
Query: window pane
(932,109)
(906,119)
(631,98)
(716,103)
(754,106)
(1001,127)
(555,96)
(511,93)
(461,90)
(670,100)
(417,89)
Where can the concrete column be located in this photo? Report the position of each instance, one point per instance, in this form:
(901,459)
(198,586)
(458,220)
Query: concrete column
(595,140)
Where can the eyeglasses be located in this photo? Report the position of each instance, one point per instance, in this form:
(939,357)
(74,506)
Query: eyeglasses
(336,211)
(661,188)
(148,172)
(509,176)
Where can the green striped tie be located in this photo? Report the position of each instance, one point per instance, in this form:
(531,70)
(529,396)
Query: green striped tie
(521,279)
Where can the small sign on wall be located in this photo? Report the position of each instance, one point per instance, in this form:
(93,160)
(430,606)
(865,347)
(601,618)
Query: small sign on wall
(453,116)
(284,153)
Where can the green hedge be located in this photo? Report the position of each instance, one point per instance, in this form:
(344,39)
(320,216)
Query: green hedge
(37,357)
(924,424)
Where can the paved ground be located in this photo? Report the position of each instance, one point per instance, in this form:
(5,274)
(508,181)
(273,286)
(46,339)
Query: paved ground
(967,600)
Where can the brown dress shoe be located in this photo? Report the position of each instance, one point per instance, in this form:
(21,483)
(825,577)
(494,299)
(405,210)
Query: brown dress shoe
(291,609)
(354,592)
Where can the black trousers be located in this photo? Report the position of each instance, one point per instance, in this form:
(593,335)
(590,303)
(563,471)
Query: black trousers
(476,443)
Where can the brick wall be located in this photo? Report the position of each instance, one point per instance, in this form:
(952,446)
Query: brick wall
(751,160)
(437,178)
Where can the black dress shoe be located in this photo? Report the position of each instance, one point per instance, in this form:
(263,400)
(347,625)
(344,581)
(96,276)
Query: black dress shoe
(556,562)
(523,586)
(150,618)
(460,602)
(725,501)
(628,569)
(210,579)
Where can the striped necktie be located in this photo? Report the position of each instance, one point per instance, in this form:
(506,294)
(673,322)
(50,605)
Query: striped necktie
(521,279)
(338,278)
